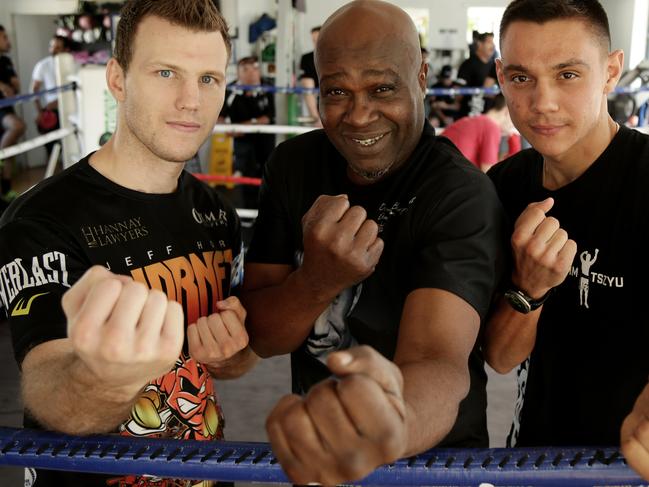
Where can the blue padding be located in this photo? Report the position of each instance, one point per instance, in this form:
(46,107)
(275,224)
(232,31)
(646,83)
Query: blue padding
(254,462)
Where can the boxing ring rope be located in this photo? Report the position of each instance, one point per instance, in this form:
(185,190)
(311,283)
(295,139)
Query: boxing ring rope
(36,142)
(239,128)
(459,90)
(254,462)
(41,140)
(18,99)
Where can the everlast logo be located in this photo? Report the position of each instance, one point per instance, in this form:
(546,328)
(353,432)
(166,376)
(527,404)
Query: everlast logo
(196,281)
(209,219)
(120,232)
(20,274)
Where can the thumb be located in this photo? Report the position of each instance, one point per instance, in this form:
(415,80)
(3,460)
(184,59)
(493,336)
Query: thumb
(367,361)
(545,205)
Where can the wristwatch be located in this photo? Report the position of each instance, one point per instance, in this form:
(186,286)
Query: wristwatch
(522,303)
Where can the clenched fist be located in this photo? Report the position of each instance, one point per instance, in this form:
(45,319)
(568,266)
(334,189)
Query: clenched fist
(543,253)
(123,332)
(341,245)
(214,339)
(635,435)
(346,427)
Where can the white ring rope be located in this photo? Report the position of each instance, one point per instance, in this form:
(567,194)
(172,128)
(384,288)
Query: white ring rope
(36,142)
(223,128)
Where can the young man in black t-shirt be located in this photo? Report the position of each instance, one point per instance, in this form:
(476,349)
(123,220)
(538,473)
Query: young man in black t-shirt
(571,315)
(13,128)
(118,274)
(375,232)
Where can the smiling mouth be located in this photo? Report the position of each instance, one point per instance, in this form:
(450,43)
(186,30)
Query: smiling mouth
(368,142)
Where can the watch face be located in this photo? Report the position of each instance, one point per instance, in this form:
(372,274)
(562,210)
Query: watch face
(518,301)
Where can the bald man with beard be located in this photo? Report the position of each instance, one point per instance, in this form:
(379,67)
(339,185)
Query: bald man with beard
(377,238)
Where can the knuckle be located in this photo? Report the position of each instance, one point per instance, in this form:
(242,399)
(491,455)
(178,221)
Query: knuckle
(97,271)
(372,227)
(552,221)
(534,248)
(137,288)
(243,341)
(518,239)
(355,464)
(357,212)
(228,350)
(155,295)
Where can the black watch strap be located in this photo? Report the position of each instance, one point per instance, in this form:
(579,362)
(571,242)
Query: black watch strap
(523,303)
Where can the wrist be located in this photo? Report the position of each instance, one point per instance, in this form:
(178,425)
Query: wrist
(313,286)
(534,291)
(520,301)
(86,380)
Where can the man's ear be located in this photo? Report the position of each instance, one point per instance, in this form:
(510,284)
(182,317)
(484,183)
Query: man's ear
(615,64)
(115,79)
(499,72)
(423,76)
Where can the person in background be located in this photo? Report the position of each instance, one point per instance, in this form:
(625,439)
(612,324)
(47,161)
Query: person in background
(444,109)
(309,79)
(478,71)
(250,107)
(44,78)
(479,138)
(13,127)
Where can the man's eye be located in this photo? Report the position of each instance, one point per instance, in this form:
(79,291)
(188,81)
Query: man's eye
(520,78)
(384,89)
(207,79)
(165,73)
(335,92)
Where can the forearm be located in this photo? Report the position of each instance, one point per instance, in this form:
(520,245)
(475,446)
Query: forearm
(509,336)
(309,98)
(433,390)
(280,317)
(235,366)
(60,393)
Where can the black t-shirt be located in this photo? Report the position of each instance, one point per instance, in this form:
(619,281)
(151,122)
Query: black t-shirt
(186,243)
(442,225)
(474,72)
(7,71)
(590,360)
(242,106)
(307,66)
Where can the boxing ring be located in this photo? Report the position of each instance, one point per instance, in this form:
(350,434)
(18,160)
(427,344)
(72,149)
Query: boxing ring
(254,462)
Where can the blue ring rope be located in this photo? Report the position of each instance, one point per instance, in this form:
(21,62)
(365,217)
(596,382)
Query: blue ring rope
(5,102)
(254,462)
(463,90)
(15,100)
